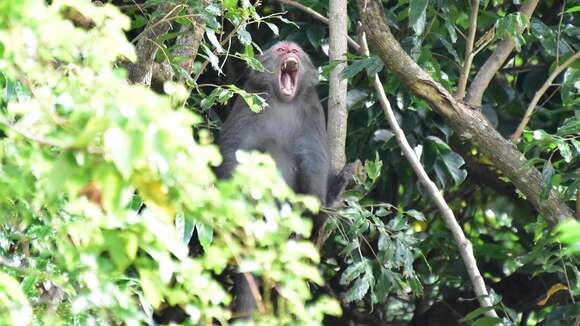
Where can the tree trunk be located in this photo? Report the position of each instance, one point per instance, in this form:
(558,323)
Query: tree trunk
(337,114)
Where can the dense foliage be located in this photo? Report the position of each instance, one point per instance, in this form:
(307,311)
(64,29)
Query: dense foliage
(103,183)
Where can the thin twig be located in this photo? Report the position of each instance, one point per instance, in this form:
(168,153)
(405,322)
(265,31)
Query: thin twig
(40,141)
(462,84)
(318,17)
(45,142)
(464,245)
(560,33)
(530,110)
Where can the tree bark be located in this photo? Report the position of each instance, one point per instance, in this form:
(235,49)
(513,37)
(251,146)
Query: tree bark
(469,124)
(142,71)
(148,72)
(337,114)
(187,45)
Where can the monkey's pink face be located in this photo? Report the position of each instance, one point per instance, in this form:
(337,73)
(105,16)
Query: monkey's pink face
(289,58)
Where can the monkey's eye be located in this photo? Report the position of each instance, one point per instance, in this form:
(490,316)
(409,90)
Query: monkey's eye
(279,49)
(294,51)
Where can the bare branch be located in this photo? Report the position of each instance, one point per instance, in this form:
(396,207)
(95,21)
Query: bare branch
(530,110)
(495,61)
(318,17)
(465,247)
(460,92)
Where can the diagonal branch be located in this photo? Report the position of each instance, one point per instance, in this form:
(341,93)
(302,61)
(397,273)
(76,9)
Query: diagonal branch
(469,54)
(470,125)
(318,17)
(465,247)
(495,62)
(530,110)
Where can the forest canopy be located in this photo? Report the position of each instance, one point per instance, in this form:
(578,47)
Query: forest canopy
(453,140)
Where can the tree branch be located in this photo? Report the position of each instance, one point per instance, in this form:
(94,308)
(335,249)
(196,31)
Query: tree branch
(186,48)
(465,247)
(187,44)
(495,61)
(530,110)
(337,113)
(460,93)
(318,17)
(142,70)
(470,125)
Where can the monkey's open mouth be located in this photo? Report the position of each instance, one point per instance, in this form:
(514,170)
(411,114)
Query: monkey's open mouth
(288,74)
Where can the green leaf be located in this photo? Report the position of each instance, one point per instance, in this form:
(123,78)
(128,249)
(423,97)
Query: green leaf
(213,59)
(14,302)
(487,321)
(151,284)
(373,168)
(122,247)
(359,289)
(476,313)
(184,227)
(453,163)
(416,215)
(576,144)
(384,241)
(254,101)
(251,60)
(451,30)
(352,272)
(571,126)
(138,21)
(417,15)
(565,151)
(204,234)
(244,37)
(219,95)
(372,65)
(214,40)
(230,5)
(124,148)
(546,36)
(273,28)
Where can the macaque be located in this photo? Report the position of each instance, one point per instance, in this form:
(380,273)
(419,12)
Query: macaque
(291,129)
